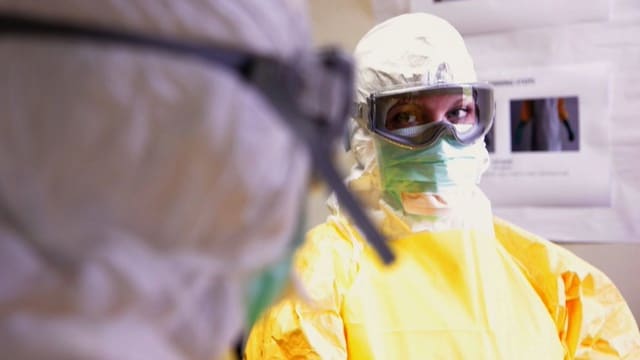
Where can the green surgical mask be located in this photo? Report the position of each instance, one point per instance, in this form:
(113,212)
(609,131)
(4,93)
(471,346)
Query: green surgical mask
(444,165)
(266,286)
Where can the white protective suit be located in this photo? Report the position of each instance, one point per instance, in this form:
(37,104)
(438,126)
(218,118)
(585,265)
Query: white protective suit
(465,285)
(139,189)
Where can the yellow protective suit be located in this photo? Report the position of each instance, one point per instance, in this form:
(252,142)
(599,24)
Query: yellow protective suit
(465,285)
(450,295)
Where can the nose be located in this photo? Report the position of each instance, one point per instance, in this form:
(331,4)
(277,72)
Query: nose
(434,115)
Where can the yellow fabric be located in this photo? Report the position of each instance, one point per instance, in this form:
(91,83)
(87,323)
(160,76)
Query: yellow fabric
(229,355)
(452,295)
(592,318)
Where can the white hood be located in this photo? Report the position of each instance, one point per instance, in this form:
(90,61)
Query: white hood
(408,50)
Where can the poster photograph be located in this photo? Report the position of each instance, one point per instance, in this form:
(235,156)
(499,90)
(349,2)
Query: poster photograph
(544,124)
(549,134)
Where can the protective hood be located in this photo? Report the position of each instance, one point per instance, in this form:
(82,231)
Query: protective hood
(409,50)
(137,189)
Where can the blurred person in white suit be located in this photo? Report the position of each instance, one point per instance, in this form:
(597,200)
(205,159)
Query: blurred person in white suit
(153,159)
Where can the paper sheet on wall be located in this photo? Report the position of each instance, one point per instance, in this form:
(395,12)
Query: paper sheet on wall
(615,42)
(478,16)
(550,134)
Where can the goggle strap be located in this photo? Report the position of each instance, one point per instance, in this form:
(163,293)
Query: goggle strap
(350,203)
(21,25)
(254,69)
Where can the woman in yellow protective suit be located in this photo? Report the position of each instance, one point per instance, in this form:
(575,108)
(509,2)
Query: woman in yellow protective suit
(465,285)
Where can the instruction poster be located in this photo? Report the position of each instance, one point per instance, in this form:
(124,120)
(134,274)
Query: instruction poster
(478,16)
(549,144)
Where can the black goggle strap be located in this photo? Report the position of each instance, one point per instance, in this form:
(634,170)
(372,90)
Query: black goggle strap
(260,71)
(349,202)
(20,25)
(319,134)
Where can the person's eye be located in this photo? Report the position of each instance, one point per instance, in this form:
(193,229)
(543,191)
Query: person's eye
(457,115)
(404,118)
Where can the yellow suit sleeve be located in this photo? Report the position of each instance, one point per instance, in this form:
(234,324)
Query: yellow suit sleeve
(309,326)
(592,317)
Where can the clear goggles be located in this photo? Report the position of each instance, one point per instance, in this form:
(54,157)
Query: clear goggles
(417,117)
(312,92)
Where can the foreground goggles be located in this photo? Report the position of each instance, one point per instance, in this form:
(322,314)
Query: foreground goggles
(417,117)
(312,92)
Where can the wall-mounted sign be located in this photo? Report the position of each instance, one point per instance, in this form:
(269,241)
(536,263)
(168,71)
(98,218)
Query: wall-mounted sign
(549,144)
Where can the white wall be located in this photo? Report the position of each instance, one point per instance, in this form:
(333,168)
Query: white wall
(620,263)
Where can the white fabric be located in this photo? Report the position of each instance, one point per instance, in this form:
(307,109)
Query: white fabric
(138,189)
(409,50)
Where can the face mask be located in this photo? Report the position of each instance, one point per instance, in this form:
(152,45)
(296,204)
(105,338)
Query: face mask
(444,166)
